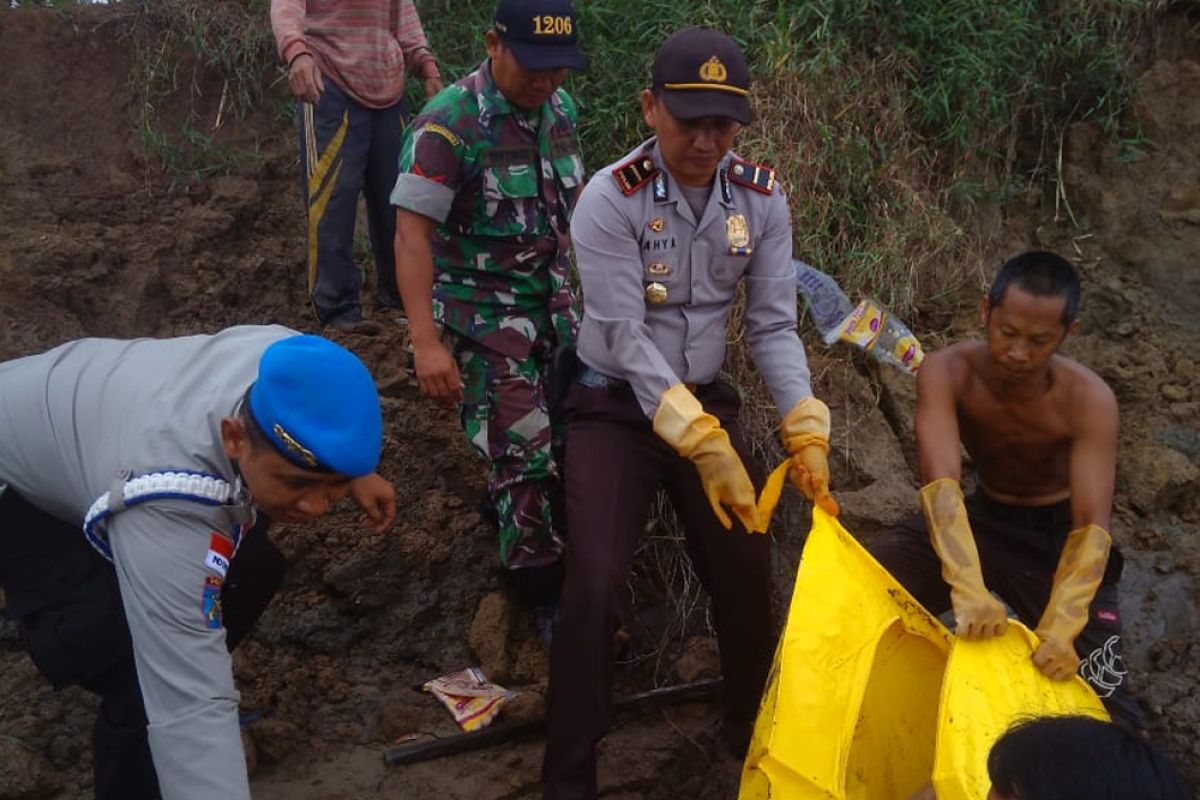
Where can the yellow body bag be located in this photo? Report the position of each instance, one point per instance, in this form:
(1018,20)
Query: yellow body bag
(871,698)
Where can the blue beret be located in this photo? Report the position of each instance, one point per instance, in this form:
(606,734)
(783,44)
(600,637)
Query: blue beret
(317,403)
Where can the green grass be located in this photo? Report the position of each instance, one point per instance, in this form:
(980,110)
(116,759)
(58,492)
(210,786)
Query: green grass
(885,119)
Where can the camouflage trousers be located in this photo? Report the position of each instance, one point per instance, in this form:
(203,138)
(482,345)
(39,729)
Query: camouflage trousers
(507,421)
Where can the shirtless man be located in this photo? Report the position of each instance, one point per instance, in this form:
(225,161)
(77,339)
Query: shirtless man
(1041,432)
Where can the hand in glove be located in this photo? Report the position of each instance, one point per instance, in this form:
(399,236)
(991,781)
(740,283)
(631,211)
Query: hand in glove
(805,433)
(682,423)
(1080,571)
(977,614)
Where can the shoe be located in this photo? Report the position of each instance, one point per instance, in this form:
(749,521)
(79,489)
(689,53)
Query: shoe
(353,322)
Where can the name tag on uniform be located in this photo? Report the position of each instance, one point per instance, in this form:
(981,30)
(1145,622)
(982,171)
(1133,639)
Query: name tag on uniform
(220,551)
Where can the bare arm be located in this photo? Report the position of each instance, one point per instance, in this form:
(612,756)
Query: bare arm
(1093,462)
(437,373)
(977,614)
(938,447)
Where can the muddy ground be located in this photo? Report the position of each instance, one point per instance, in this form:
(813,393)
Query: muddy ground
(94,241)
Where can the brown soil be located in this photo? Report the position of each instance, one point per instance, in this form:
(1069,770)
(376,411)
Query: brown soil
(93,242)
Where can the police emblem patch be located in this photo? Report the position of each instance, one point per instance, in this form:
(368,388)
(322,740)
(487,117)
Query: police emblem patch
(737,232)
(657,224)
(210,603)
(713,70)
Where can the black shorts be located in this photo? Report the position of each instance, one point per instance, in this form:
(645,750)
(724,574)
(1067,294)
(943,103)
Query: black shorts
(1019,547)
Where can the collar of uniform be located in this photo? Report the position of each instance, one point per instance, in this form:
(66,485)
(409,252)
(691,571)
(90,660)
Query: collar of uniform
(665,186)
(493,103)
(662,186)
(668,192)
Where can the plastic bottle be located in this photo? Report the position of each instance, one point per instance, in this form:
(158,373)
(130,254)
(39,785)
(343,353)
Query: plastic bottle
(868,325)
(827,303)
(871,327)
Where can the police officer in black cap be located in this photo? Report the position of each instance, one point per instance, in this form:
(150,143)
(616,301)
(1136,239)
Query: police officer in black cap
(662,239)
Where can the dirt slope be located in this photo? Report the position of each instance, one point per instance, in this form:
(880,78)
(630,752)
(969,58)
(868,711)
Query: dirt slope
(93,243)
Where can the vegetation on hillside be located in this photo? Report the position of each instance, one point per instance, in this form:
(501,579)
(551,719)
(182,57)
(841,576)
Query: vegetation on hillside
(884,119)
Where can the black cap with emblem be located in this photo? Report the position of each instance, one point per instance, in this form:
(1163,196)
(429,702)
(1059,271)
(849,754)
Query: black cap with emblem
(542,34)
(700,72)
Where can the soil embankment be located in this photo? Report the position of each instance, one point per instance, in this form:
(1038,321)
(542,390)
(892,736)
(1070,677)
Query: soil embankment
(92,242)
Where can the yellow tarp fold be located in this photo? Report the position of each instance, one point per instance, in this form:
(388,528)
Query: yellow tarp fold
(871,698)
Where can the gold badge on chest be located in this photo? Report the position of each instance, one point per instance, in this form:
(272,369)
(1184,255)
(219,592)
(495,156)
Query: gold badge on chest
(738,234)
(657,224)
(656,293)
(658,268)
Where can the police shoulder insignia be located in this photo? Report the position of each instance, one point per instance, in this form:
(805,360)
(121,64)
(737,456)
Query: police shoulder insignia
(441,130)
(752,176)
(633,175)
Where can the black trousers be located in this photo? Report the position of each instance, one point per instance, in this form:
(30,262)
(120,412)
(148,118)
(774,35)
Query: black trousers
(68,602)
(1019,547)
(615,465)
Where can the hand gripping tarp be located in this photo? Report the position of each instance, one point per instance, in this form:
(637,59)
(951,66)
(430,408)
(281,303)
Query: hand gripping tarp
(871,698)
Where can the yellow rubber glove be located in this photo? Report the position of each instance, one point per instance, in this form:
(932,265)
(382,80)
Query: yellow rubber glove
(977,614)
(1076,580)
(805,433)
(697,436)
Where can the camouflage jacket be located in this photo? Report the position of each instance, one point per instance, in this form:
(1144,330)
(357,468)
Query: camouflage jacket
(501,183)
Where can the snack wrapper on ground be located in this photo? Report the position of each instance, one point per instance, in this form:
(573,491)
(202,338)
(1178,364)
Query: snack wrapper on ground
(471,697)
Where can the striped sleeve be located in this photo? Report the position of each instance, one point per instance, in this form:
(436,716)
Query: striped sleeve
(287,23)
(417,55)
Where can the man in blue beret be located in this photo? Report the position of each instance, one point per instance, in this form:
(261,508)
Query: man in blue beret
(168,457)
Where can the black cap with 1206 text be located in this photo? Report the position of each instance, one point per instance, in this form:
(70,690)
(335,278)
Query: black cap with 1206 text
(542,34)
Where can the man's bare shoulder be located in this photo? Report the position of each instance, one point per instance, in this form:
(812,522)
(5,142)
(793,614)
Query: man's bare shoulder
(952,365)
(1082,388)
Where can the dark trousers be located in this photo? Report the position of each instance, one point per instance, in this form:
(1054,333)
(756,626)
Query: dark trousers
(1019,547)
(346,150)
(68,602)
(615,465)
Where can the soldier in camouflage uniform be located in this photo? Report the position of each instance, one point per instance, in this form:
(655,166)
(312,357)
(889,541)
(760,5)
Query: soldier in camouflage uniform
(489,173)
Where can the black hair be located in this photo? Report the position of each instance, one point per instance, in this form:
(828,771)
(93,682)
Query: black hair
(1042,274)
(259,440)
(1065,758)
